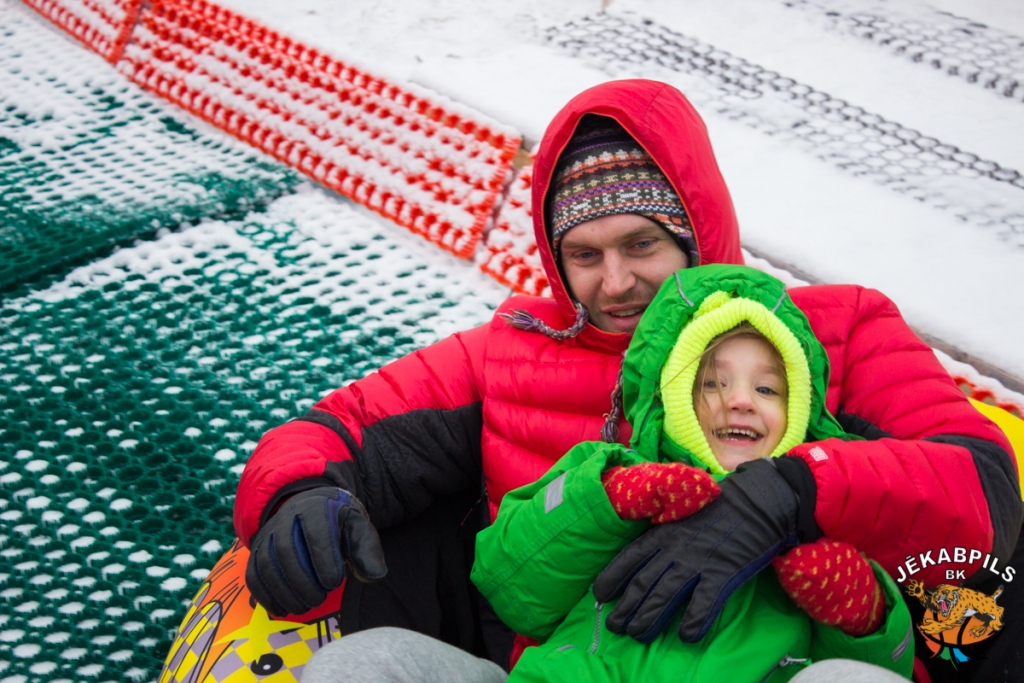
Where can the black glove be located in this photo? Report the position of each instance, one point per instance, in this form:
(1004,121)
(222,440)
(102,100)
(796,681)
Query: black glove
(702,558)
(300,553)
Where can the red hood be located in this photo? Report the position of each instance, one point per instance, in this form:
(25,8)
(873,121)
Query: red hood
(664,122)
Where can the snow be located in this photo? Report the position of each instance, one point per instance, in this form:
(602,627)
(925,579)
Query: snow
(958,280)
(1007,14)
(796,43)
(960,290)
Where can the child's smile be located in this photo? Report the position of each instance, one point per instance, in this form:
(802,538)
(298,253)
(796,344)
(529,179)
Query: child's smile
(738,433)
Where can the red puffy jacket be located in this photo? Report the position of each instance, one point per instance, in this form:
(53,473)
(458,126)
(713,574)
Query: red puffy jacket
(505,404)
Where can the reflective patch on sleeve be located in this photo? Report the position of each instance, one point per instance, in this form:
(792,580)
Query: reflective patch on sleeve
(904,644)
(818,454)
(553,493)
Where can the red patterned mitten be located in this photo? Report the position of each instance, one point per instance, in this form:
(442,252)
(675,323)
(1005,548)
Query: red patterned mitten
(661,491)
(834,584)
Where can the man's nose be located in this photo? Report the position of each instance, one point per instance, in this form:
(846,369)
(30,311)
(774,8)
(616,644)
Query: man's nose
(618,277)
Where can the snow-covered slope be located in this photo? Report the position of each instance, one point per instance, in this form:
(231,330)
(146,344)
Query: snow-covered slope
(941,233)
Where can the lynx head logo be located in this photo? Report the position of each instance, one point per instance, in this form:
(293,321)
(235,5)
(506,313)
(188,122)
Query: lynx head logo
(955,617)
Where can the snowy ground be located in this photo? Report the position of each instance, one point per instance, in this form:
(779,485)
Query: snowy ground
(946,243)
(268,310)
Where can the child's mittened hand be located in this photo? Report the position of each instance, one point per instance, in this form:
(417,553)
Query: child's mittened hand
(663,492)
(834,584)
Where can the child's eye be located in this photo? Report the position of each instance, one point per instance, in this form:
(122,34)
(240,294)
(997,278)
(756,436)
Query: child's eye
(710,384)
(767,391)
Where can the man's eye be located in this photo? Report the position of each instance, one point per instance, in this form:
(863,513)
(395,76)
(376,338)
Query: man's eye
(644,244)
(584,255)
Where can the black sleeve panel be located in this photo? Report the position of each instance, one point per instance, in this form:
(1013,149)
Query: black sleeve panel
(853,424)
(406,460)
(797,474)
(1001,487)
(325,419)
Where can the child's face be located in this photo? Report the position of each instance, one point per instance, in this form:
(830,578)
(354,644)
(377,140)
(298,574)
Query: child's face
(742,404)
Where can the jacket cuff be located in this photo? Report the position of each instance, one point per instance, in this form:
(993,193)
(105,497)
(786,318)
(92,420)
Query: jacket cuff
(343,474)
(797,474)
(891,646)
(340,475)
(289,490)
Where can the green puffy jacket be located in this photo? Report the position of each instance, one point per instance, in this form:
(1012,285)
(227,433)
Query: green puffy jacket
(537,562)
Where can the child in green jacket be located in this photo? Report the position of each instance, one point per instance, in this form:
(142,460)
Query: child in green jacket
(722,370)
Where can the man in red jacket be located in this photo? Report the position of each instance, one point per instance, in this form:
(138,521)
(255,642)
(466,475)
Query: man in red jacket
(626,191)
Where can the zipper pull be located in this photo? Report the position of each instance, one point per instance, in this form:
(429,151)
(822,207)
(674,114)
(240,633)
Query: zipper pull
(597,628)
(787,661)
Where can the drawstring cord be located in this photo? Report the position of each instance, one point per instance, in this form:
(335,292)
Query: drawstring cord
(610,430)
(521,320)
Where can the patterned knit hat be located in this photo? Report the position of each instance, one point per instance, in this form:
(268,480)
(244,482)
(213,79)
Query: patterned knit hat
(604,171)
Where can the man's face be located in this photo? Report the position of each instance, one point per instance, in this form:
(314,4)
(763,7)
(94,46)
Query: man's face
(615,265)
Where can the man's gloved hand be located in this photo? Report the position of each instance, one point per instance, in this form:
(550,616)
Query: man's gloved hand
(660,491)
(702,558)
(834,584)
(300,553)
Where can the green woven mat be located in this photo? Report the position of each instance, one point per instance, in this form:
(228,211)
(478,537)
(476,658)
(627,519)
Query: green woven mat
(132,392)
(88,160)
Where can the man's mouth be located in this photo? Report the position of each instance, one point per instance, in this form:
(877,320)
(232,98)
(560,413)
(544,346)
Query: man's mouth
(626,312)
(737,434)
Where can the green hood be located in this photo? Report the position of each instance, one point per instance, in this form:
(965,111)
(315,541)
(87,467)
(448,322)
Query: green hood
(714,299)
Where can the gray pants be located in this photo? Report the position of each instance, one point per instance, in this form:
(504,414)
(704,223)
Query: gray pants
(394,655)
(846,671)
